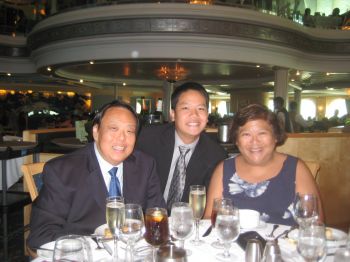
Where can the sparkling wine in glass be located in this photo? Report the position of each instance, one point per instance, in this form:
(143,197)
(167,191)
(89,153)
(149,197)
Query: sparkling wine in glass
(114,217)
(197,202)
(305,209)
(157,228)
(312,242)
(131,228)
(182,222)
(228,229)
(218,203)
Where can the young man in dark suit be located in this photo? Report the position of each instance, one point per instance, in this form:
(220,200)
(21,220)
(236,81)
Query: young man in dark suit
(189,113)
(73,197)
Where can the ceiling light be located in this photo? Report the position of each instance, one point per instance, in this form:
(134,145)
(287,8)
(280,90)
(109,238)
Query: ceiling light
(224,85)
(297,73)
(172,74)
(292,80)
(328,74)
(91,62)
(81,81)
(124,84)
(48,69)
(257,66)
(8,74)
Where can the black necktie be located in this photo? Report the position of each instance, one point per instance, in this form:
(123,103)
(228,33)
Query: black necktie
(179,177)
(114,185)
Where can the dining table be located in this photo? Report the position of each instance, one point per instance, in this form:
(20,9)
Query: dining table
(204,252)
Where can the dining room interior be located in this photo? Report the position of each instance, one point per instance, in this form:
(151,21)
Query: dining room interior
(61,60)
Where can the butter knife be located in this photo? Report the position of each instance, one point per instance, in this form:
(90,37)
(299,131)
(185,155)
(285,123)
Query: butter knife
(208,231)
(107,248)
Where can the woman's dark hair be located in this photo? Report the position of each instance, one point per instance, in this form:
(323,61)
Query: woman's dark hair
(185,87)
(256,112)
(115,103)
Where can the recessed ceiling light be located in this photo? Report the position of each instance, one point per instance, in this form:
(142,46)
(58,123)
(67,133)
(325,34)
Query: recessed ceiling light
(328,73)
(91,62)
(8,74)
(124,84)
(48,69)
(258,66)
(81,81)
(297,73)
(292,80)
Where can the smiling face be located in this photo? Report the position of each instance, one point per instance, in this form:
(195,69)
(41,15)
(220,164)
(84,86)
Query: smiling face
(256,142)
(190,115)
(116,135)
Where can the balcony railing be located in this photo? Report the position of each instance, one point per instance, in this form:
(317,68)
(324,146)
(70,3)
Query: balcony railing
(15,20)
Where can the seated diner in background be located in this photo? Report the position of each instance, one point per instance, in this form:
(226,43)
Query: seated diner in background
(259,177)
(75,186)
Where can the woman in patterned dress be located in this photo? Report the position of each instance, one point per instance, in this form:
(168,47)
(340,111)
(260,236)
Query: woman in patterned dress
(259,177)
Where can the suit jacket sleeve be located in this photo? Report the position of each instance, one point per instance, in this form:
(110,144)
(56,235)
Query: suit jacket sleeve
(49,210)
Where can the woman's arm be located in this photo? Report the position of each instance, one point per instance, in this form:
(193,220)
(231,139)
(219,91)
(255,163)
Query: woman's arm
(305,183)
(215,188)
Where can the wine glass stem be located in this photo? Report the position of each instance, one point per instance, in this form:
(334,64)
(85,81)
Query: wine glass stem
(226,249)
(197,231)
(182,243)
(130,253)
(115,251)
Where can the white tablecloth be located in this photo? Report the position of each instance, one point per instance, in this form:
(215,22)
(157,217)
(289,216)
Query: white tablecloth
(206,252)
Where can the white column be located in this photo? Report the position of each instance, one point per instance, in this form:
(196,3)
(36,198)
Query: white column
(281,83)
(168,90)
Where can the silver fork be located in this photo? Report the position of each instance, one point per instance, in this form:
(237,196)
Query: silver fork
(271,235)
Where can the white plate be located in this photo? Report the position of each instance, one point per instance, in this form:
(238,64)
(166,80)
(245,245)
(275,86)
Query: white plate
(47,254)
(335,237)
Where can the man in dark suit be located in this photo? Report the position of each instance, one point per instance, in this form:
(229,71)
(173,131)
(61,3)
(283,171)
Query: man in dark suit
(189,112)
(73,197)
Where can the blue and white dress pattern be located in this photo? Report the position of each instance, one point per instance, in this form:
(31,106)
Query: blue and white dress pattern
(272,198)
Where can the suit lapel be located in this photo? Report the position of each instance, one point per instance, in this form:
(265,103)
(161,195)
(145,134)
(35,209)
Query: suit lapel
(167,140)
(95,181)
(196,163)
(130,176)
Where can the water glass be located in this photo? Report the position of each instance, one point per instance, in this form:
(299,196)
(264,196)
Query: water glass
(181,224)
(131,228)
(312,242)
(217,204)
(197,202)
(227,228)
(72,248)
(305,209)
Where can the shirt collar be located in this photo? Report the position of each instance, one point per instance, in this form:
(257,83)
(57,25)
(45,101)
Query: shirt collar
(104,165)
(179,142)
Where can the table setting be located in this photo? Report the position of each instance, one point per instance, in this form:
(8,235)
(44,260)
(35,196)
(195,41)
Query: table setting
(231,234)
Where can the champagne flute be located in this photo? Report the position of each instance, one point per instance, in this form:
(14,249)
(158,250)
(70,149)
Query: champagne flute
(228,228)
(218,203)
(181,222)
(312,242)
(305,209)
(157,228)
(197,202)
(114,216)
(131,228)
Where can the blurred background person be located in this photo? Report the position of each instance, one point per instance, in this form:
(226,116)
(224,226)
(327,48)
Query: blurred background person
(261,178)
(298,122)
(282,114)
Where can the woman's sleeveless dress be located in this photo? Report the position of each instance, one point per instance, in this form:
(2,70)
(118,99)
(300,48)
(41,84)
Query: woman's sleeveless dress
(272,198)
